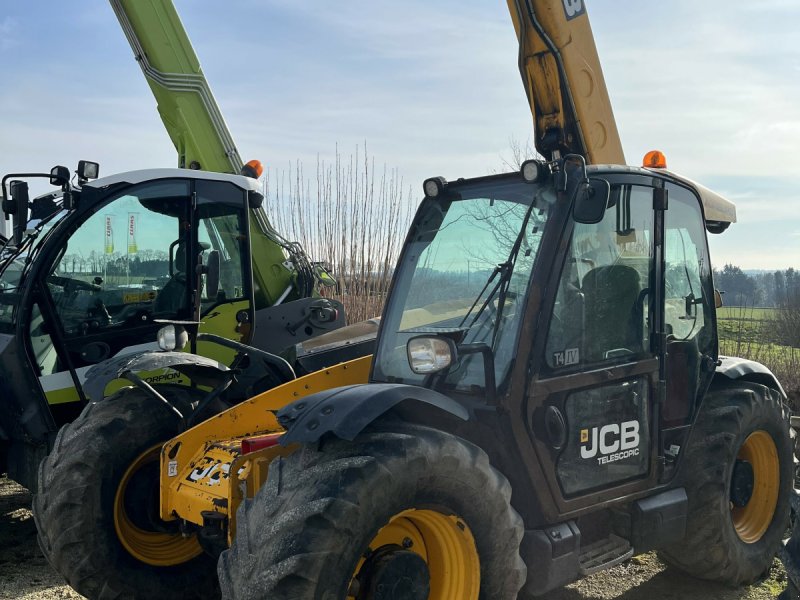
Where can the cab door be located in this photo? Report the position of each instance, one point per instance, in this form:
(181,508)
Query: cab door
(592,401)
(99,294)
(221,226)
(689,319)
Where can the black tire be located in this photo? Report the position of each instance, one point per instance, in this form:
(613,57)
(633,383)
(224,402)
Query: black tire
(305,531)
(712,548)
(74,506)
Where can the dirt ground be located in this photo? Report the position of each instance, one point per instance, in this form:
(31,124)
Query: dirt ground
(25,574)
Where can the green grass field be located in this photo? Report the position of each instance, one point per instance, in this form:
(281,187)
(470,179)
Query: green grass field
(746,332)
(745,312)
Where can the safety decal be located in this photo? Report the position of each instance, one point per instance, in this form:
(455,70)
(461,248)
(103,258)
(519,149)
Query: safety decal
(571,356)
(137,297)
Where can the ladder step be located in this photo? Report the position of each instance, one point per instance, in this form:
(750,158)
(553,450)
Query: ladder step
(604,553)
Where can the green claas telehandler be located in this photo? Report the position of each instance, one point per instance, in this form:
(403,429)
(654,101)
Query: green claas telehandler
(93,267)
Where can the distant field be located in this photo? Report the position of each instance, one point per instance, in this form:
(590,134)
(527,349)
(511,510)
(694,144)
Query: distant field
(747,332)
(745,325)
(745,312)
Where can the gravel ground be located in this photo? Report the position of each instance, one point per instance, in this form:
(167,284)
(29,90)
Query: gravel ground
(25,574)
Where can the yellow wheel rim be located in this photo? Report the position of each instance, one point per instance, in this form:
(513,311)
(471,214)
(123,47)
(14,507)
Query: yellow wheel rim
(444,542)
(151,547)
(752,520)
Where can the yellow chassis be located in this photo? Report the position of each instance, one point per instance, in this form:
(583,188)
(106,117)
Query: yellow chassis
(202,469)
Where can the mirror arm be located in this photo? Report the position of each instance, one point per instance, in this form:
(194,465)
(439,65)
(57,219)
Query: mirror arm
(488,365)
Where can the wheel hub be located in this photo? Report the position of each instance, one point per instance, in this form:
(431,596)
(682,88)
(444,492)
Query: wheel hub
(136,521)
(742,483)
(393,573)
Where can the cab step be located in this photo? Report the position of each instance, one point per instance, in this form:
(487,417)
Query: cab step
(604,553)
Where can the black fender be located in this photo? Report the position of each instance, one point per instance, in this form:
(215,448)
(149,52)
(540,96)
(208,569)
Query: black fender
(747,370)
(346,411)
(201,370)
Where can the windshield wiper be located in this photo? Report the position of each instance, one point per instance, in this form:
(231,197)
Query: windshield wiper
(505,270)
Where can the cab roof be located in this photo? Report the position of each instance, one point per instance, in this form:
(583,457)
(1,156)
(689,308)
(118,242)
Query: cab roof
(716,207)
(140,176)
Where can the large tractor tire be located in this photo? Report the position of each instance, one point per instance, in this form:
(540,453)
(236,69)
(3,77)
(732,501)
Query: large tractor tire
(738,478)
(403,512)
(96,509)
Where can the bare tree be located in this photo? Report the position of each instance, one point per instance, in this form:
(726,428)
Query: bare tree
(353,217)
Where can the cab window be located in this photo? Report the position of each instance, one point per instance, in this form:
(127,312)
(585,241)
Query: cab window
(125,262)
(602,304)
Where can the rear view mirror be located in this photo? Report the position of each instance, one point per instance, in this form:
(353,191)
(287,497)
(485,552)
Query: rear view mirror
(591,199)
(212,274)
(19,206)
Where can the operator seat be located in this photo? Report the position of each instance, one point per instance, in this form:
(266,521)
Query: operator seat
(172,297)
(614,319)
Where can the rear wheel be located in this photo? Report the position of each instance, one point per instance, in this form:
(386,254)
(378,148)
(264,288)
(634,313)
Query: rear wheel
(96,509)
(409,513)
(738,478)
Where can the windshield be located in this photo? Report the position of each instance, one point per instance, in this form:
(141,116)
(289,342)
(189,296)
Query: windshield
(465,275)
(13,262)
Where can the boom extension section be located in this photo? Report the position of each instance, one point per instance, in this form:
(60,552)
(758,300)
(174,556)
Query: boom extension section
(185,102)
(564,82)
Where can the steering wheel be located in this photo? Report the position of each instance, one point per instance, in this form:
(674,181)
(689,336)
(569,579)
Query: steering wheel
(73,285)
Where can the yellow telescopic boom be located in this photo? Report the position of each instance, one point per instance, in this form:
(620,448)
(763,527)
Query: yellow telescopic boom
(564,82)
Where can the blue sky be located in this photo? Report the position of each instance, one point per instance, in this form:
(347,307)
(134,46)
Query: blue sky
(431,87)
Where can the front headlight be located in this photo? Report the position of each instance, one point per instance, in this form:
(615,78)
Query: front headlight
(430,354)
(172,337)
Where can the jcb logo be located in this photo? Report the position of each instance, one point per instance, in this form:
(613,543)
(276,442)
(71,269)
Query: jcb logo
(573,8)
(613,442)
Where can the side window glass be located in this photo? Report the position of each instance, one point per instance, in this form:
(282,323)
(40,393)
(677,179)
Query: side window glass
(602,304)
(688,304)
(126,263)
(222,234)
(688,296)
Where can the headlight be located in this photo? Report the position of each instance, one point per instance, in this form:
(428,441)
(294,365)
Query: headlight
(172,337)
(430,354)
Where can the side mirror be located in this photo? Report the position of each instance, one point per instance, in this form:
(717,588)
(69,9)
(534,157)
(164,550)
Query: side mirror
(212,274)
(254,199)
(717,299)
(43,206)
(430,354)
(19,205)
(591,199)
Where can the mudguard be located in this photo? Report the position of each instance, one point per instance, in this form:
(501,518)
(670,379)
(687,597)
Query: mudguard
(201,370)
(748,370)
(346,411)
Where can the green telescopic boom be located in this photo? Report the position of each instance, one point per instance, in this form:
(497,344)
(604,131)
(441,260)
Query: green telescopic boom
(187,107)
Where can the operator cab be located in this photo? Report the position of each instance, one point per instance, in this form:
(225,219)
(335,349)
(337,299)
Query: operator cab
(98,263)
(577,297)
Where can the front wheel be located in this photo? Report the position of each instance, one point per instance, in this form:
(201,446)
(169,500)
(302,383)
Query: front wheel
(410,513)
(96,508)
(738,479)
